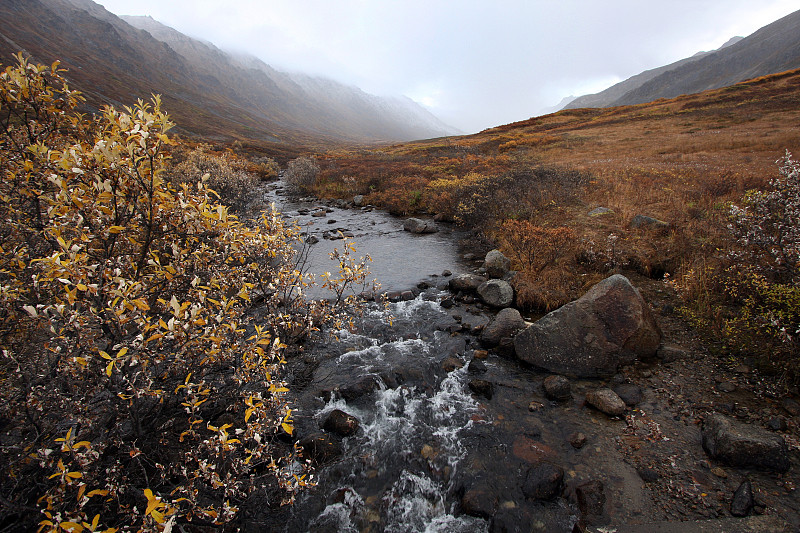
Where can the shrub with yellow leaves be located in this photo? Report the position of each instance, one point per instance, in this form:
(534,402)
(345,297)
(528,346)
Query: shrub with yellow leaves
(139,389)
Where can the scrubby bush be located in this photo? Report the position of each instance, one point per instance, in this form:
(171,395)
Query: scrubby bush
(768,224)
(302,173)
(750,297)
(226,177)
(137,392)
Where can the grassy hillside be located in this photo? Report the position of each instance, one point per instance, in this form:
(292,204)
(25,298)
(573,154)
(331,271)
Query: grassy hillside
(529,187)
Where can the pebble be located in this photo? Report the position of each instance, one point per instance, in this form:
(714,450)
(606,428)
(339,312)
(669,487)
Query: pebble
(726,386)
(535,406)
(577,440)
(719,472)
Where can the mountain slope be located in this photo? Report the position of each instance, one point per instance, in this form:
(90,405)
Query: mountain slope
(208,92)
(774,48)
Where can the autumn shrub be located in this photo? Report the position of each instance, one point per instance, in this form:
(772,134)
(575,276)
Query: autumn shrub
(138,392)
(302,173)
(402,196)
(226,177)
(750,296)
(541,255)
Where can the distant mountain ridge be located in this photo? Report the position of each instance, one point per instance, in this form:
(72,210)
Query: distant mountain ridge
(207,91)
(774,48)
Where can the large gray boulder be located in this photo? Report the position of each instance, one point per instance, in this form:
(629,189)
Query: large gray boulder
(504,325)
(496,293)
(609,326)
(744,446)
(496,264)
(417,225)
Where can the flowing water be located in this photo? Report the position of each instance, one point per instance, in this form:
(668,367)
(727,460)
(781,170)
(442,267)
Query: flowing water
(424,438)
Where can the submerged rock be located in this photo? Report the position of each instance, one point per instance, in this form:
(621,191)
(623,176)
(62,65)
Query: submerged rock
(609,326)
(742,445)
(631,394)
(479,501)
(591,499)
(481,387)
(543,482)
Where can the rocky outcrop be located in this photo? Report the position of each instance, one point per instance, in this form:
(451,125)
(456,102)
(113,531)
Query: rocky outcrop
(609,326)
(496,293)
(417,225)
(504,325)
(744,446)
(496,264)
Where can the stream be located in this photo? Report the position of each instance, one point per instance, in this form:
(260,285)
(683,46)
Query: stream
(429,454)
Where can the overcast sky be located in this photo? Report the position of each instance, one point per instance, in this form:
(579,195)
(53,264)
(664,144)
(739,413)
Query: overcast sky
(473,63)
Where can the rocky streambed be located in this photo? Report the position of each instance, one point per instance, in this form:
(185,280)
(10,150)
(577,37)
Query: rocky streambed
(432,415)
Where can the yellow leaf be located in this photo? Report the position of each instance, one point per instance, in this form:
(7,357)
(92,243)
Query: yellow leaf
(116,229)
(152,501)
(287,428)
(97,492)
(109,368)
(72,526)
(82,287)
(158,516)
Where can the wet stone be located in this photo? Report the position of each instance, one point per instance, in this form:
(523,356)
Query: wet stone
(321,447)
(726,386)
(606,401)
(450,364)
(792,407)
(340,423)
(577,440)
(743,502)
(480,354)
(743,445)
(481,387)
(648,475)
(360,387)
(557,388)
(480,502)
(777,423)
(477,366)
(591,500)
(535,406)
(543,482)
(629,393)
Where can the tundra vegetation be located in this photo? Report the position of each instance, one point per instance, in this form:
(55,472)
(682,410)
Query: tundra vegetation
(143,326)
(721,224)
